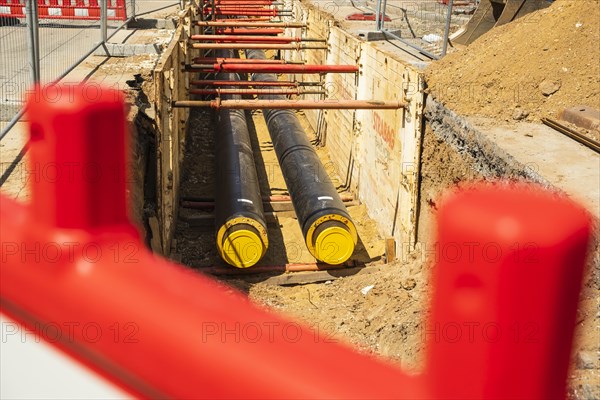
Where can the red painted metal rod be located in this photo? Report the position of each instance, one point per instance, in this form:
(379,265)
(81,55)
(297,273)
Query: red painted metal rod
(252,7)
(209,3)
(253,31)
(251,12)
(242,18)
(261,4)
(246,4)
(261,269)
(219,91)
(200,60)
(258,24)
(275,42)
(234,38)
(292,104)
(244,83)
(262,46)
(248,39)
(277,68)
(238,1)
(253,19)
(242,4)
(253,83)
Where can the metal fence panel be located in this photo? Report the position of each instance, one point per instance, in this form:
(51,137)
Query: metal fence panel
(424,24)
(15,73)
(66,32)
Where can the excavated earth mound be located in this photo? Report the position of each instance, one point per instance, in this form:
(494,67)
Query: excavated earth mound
(528,69)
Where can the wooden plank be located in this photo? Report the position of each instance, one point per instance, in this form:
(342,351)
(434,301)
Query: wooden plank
(390,249)
(155,242)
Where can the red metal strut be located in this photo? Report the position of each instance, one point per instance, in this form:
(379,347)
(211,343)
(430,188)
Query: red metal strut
(234,38)
(200,60)
(291,104)
(255,31)
(218,91)
(256,19)
(249,24)
(276,68)
(247,83)
(249,11)
(263,46)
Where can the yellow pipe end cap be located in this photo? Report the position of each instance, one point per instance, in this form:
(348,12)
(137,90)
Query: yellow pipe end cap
(243,248)
(334,245)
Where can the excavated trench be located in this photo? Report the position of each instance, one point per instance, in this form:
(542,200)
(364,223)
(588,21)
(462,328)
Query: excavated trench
(195,235)
(448,150)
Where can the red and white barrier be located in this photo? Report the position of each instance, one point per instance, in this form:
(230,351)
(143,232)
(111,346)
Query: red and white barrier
(66,9)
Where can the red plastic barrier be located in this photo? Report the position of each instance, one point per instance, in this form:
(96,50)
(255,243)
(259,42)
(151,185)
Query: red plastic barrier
(72,255)
(509,268)
(67,9)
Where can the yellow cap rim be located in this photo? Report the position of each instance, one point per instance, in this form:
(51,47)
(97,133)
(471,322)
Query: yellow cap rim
(334,245)
(242,248)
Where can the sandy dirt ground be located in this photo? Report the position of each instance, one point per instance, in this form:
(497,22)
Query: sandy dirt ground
(529,69)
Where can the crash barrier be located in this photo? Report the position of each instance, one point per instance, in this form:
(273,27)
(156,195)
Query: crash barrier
(509,265)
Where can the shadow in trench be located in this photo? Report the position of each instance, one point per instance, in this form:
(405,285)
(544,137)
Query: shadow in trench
(277,253)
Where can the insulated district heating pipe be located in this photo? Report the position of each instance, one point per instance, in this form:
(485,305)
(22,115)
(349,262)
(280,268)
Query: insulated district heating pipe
(328,230)
(241,235)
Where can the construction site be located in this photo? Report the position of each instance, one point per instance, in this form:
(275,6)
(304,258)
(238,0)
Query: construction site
(416,182)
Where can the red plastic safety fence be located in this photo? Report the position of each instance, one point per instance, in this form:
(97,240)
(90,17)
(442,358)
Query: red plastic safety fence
(66,9)
(509,264)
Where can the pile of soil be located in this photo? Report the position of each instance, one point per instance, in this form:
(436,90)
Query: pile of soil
(531,68)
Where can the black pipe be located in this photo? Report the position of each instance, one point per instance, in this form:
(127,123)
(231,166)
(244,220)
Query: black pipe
(328,230)
(239,217)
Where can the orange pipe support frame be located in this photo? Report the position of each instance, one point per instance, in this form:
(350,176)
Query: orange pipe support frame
(292,104)
(218,91)
(275,68)
(233,23)
(249,19)
(248,12)
(249,31)
(242,38)
(234,4)
(209,82)
(223,60)
(262,46)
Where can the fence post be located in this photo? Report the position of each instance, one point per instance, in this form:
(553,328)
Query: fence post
(133,10)
(33,43)
(103,20)
(447,28)
(382,17)
(378,15)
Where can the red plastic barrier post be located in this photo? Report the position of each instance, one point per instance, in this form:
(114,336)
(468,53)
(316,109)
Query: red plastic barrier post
(510,263)
(72,256)
(78,146)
